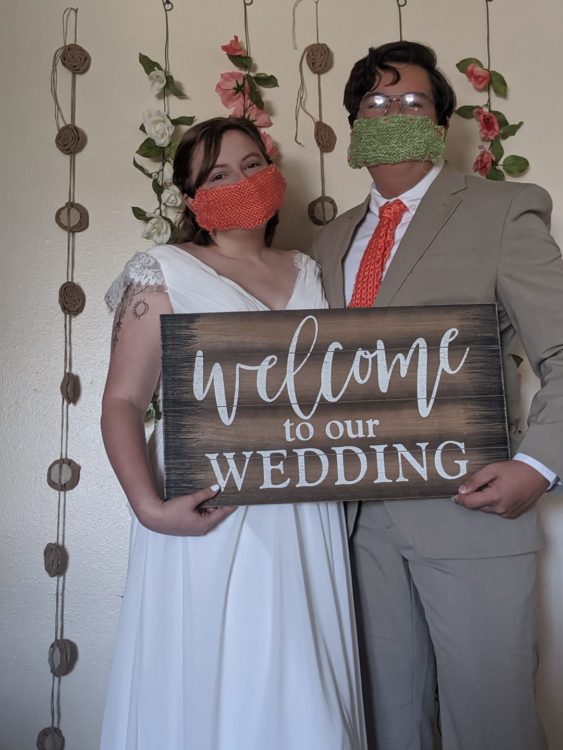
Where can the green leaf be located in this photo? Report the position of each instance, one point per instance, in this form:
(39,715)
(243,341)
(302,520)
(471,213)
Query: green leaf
(266,81)
(466,111)
(515,165)
(157,187)
(509,130)
(174,87)
(149,149)
(142,128)
(502,121)
(148,64)
(141,168)
(497,150)
(517,359)
(462,65)
(182,120)
(495,173)
(242,62)
(498,83)
(138,213)
(255,96)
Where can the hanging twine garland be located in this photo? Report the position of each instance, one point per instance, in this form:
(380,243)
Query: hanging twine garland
(63,474)
(50,738)
(70,139)
(319,59)
(63,655)
(55,558)
(325,137)
(71,298)
(72,217)
(70,387)
(75,58)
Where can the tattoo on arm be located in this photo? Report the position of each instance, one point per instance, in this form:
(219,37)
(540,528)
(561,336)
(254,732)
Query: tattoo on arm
(140,308)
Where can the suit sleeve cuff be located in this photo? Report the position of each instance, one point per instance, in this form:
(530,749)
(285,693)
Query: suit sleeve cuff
(551,476)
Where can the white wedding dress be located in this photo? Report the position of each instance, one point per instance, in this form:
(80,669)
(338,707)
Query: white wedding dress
(243,639)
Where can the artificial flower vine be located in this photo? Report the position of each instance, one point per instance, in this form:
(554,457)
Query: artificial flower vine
(493,125)
(159,146)
(239,91)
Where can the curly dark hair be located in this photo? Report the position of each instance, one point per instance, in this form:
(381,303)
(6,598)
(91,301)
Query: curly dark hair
(209,134)
(367,72)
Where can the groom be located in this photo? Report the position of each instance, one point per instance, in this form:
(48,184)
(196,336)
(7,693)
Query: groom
(445,588)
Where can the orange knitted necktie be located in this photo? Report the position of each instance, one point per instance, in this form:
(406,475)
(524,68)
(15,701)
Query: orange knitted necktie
(372,265)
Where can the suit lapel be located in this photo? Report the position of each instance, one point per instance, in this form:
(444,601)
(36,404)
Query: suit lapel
(434,210)
(333,256)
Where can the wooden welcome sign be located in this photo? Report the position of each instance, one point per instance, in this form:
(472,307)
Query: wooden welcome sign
(304,405)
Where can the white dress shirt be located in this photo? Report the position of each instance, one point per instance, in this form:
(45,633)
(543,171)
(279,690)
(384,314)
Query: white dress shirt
(411,198)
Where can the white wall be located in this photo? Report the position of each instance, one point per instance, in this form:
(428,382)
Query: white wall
(111,97)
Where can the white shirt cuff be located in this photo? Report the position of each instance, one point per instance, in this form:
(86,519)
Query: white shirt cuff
(551,476)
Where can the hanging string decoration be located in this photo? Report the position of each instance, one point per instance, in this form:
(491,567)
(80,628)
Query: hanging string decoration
(494,127)
(400,5)
(239,90)
(319,59)
(163,134)
(63,475)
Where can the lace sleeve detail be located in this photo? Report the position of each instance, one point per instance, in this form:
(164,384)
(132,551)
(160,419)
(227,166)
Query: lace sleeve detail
(141,272)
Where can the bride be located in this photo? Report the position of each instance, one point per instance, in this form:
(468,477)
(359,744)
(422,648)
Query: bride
(237,628)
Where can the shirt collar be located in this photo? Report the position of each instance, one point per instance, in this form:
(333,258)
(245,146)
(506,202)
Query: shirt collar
(412,197)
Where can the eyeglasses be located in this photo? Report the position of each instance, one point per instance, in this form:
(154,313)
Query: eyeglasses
(411,103)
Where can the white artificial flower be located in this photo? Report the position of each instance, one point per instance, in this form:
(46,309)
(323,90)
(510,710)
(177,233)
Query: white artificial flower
(157,229)
(158,127)
(171,197)
(157,80)
(167,174)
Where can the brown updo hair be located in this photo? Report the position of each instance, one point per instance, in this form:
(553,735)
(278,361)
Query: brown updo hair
(209,135)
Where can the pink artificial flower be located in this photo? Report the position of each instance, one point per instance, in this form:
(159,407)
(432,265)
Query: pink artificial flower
(479,77)
(234,47)
(271,150)
(483,162)
(260,118)
(230,88)
(488,124)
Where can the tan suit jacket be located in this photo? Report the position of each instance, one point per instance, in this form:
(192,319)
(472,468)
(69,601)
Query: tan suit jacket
(476,241)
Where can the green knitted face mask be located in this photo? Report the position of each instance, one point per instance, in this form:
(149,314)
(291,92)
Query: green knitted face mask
(395,138)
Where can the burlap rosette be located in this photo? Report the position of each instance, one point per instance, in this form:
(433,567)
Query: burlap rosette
(319,57)
(70,387)
(71,298)
(322,210)
(63,655)
(50,738)
(72,217)
(325,137)
(55,558)
(63,474)
(75,58)
(70,139)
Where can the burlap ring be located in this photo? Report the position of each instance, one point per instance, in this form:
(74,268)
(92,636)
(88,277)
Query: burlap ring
(72,217)
(50,738)
(63,655)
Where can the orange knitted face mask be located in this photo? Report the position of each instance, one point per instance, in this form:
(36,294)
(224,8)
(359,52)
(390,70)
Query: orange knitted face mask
(246,204)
